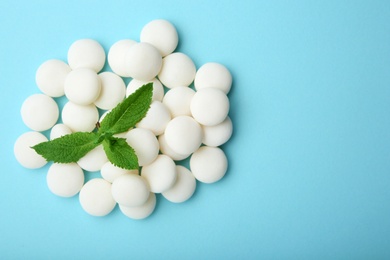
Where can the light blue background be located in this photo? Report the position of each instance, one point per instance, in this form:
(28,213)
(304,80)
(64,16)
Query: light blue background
(309,173)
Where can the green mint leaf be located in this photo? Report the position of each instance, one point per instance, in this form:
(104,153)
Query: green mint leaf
(129,112)
(120,153)
(71,148)
(68,148)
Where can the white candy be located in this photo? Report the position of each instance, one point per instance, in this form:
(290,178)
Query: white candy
(130,190)
(210,106)
(65,180)
(165,149)
(178,101)
(50,77)
(59,130)
(183,188)
(39,112)
(219,134)
(95,197)
(144,143)
(213,75)
(160,174)
(94,160)
(183,135)
(82,86)
(140,212)
(27,156)
(117,54)
(113,91)
(80,118)
(143,61)
(158,89)
(208,164)
(110,172)
(162,35)
(177,70)
(156,119)
(86,53)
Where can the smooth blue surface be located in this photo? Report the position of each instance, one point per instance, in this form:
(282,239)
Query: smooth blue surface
(309,174)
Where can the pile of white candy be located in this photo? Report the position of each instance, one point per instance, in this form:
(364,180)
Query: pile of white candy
(175,127)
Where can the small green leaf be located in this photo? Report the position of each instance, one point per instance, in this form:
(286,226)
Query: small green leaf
(120,153)
(129,112)
(68,148)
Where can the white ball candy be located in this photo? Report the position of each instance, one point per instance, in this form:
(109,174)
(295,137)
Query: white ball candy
(158,89)
(165,149)
(110,172)
(144,143)
(65,180)
(160,174)
(213,75)
(96,199)
(156,118)
(161,34)
(178,101)
(117,54)
(183,135)
(143,61)
(86,53)
(27,156)
(219,134)
(50,77)
(130,190)
(208,164)
(80,118)
(177,70)
(39,112)
(209,106)
(140,212)
(94,160)
(82,86)
(59,130)
(184,186)
(113,91)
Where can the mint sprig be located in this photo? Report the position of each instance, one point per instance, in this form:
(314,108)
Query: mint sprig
(72,147)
